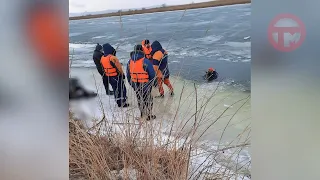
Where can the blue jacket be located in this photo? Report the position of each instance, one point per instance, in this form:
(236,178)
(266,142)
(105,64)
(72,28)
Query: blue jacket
(163,65)
(147,67)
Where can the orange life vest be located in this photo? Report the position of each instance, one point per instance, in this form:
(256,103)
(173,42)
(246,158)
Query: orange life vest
(109,70)
(137,73)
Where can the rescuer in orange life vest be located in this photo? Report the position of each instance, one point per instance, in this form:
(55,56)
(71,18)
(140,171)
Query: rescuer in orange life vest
(146,47)
(160,64)
(141,76)
(97,54)
(113,70)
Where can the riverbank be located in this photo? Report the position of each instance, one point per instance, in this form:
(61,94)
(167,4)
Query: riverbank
(202,132)
(164,9)
(124,150)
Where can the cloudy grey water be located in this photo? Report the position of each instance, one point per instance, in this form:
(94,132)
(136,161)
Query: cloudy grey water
(197,39)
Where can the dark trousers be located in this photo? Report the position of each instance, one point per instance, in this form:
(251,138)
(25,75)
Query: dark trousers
(145,100)
(119,88)
(105,80)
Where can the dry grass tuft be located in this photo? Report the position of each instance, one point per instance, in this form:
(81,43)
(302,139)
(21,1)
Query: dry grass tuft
(118,156)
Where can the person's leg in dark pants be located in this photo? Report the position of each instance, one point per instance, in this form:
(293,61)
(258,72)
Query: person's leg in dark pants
(148,103)
(139,95)
(113,83)
(105,80)
(145,101)
(120,91)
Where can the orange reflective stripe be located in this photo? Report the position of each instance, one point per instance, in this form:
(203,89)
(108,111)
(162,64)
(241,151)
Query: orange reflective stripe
(109,70)
(158,56)
(137,72)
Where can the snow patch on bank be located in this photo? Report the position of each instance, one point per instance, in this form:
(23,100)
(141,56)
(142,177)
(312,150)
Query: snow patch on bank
(202,155)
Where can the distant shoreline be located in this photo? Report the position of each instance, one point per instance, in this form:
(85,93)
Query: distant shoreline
(166,8)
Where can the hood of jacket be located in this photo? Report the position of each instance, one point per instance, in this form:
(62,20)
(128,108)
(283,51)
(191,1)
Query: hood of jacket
(136,55)
(98,47)
(108,49)
(155,46)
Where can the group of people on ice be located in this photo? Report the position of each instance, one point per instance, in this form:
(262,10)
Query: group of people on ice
(146,68)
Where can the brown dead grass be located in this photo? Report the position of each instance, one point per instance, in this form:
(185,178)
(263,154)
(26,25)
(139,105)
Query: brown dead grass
(102,153)
(104,156)
(164,9)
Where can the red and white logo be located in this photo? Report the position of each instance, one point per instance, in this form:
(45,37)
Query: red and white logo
(286,32)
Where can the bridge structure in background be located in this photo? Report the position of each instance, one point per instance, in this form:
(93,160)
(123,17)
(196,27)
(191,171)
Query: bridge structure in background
(165,8)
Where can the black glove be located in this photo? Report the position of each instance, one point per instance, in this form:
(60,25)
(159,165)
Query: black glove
(123,77)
